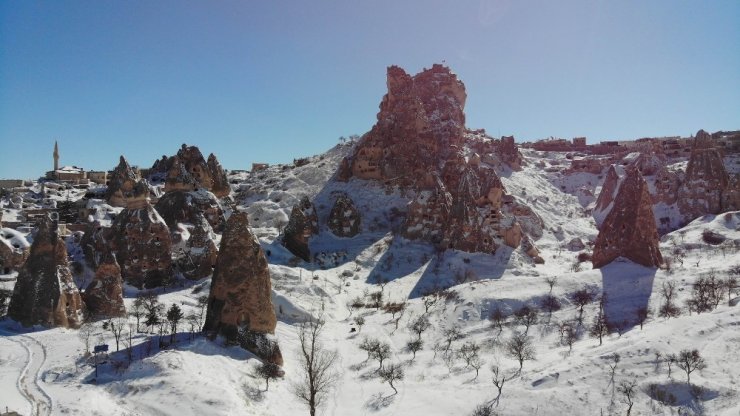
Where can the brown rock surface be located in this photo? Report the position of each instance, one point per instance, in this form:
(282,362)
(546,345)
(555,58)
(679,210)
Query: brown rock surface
(220,186)
(104,295)
(189,171)
(201,252)
(629,229)
(607,195)
(45,293)
(705,181)
(239,303)
(14,250)
(124,186)
(303,223)
(344,218)
(187,206)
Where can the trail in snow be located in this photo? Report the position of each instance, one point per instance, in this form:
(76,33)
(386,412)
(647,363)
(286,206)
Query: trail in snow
(39,401)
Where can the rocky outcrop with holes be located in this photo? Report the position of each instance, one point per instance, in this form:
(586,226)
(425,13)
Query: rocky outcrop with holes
(629,229)
(188,206)
(104,295)
(45,293)
(344,218)
(239,303)
(199,256)
(125,188)
(302,224)
(189,171)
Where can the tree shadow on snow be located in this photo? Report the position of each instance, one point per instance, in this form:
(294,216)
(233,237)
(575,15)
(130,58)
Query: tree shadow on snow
(628,287)
(379,402)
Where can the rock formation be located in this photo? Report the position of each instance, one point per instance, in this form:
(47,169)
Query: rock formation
(344,218)
(189,171)
(303,223)
(125,187)
(14,250)
(606,196)
(201,253)
(667,184)
(239,303)
(45,293)
(187,206)
(104,295)
(705,181)
(629,229)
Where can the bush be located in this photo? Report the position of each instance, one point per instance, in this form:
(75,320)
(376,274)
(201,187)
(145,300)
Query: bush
(713,238)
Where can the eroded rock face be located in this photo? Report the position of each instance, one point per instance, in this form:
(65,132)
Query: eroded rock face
(705,181)
(649,162)
(14,250)
(344,218)
(125,188)
(606,196)
(303,223)
(104,295)
(45,293)
(187,206)
(189,171)
(629,229)
(667,184)
(201,251)
(239,303)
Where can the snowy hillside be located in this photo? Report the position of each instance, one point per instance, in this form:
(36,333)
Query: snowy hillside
(456,291)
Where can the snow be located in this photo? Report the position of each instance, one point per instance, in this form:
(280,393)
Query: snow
(197,376)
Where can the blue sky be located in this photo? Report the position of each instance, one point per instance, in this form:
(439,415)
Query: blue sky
(269,81)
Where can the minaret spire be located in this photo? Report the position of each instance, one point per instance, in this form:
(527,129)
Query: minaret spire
(56,156)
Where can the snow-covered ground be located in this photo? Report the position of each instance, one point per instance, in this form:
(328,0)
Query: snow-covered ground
(197,376)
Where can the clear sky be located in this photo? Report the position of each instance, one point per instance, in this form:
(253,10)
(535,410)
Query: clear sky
(267,81)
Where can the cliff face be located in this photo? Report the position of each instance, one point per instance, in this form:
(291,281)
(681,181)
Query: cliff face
(303,223)
(45,293)
(125,187)
(104,295)
(189,171)
(629,229)
(239,303)
(607,195)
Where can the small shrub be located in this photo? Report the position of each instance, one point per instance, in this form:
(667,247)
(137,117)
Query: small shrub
(713,238)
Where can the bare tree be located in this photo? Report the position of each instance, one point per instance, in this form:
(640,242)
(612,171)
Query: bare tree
(414,346)
(316,365)
(581,298)
(359,321)
(670,359)
(450,335)
(551,282)
(499,379)
(615,358)
(419,325)
(137,310)
(550,304)
(381,353)
(86,332)
(643,313)
(527,316)
(600,326)
(392,373)
(571,336)
(369,345)
(628,388)
(668,309)
(429,301)
(115,326)
(498,318)
(690,361)
(520,348)
(269,371)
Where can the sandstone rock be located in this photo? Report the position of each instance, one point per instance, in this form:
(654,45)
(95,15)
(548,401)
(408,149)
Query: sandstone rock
(649,162)
(303,223)
(239,302)
(606,196)
(14,250)
(186,207)
(705,181)
(667,183)
(45,293)
(629,229)
(201,251)
(344,218)
(125,187)
(220,185)
(429,213)
(104,295)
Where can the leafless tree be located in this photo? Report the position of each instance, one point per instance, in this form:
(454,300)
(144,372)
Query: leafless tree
(614,361)
(600,326)
(316,364)
(419,325)
(369,345)
(668,309)
(571,336)
(550,304)
(450,335)
(670,359)
(498,318)
(527,316)
(690,361)
(628,388)
(551,282)
(643,313)
(381,353)
(86,332)
(268,371)
(414,346)
(520,348)
(359,321)
(499,379)
(392,373)
(581,298)
(137,310)
(116,326)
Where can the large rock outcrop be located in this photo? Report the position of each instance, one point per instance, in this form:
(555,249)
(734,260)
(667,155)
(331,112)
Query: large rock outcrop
(125,187)
(302,224)
(239,303)
(200,254)
(14,250)
(189,171)
(45,293)
(187,207)
(104,295)
(606,196)
(629,229)
(344,218)
(705,181)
